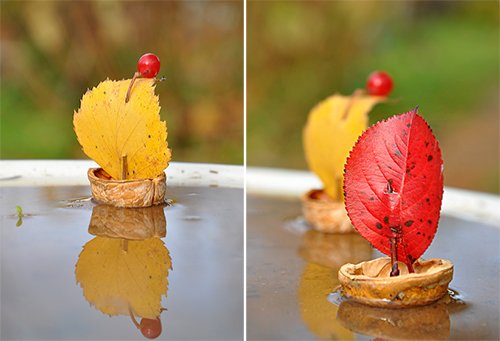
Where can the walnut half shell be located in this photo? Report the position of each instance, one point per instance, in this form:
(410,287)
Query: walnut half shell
(126,193)
(325,214)
(370,282)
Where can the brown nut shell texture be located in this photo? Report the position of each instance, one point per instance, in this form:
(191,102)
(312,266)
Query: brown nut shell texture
(370,282)
(127,193)
(325,214)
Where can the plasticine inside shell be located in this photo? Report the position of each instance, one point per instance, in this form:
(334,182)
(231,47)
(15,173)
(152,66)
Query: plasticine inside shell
(370,282)
(127,193)
(325,214)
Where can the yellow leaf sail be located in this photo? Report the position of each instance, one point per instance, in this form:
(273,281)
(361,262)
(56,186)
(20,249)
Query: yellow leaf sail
(108,129)
(114,277)
(332,128)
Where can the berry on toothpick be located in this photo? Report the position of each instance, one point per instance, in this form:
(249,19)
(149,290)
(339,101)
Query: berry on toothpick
(148,66)
(379,83)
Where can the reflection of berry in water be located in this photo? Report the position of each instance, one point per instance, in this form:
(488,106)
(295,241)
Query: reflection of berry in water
(379,84)
(150,328)
(148,65)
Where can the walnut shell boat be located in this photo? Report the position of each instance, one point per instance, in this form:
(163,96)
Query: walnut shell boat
(128,223)
(370,282)
(127,193)
(325,214)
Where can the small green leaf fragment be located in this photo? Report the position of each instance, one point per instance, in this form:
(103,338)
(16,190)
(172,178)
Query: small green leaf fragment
(19,210)
(19,221)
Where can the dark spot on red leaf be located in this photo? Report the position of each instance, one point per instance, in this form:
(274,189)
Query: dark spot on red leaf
(429,158)
(418,233)
(386,219)
(372,198)
(378,225)
(429,221)
(408,125)
(409,223)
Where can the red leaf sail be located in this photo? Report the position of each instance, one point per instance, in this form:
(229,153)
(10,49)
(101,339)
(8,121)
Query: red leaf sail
(393,186)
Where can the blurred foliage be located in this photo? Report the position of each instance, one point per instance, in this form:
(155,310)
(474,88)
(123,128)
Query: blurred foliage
(443,56)
(53,51)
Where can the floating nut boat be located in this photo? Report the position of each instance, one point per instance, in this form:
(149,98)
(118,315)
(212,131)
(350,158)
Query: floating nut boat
(325,214)
(127,193)
(370,282)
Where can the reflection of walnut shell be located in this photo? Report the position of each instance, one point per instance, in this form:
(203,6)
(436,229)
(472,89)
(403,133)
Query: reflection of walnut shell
(334,250)
(417,323)
(126,193)
(325,214)
(128,223)
(370,282)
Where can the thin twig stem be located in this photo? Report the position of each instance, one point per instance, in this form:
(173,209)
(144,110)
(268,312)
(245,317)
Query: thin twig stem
(127,98)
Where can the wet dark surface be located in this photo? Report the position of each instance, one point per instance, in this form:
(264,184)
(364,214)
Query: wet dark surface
(292,272)
(195,272)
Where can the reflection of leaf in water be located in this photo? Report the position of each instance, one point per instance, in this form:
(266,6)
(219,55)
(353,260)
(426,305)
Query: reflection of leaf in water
(112,279)
(317,312)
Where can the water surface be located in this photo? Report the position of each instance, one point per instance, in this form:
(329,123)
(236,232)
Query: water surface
(195,272)
(292,272)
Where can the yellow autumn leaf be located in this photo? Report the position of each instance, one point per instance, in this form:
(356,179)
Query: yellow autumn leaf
(116,274)
(108,129)
(332,128)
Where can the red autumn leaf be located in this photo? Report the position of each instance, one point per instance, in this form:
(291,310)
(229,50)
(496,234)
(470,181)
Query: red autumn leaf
(393,184)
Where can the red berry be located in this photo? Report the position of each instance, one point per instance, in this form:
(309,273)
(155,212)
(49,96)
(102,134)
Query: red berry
(150,328)
(379,84)
(148,65)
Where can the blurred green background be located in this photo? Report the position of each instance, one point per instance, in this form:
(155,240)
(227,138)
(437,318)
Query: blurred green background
(52,51)
(442,55)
